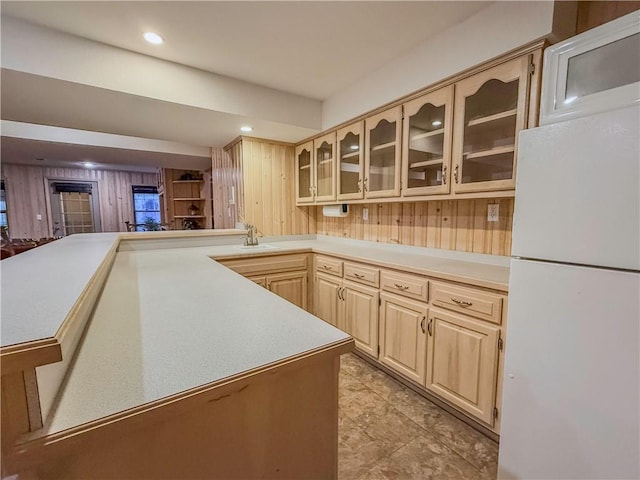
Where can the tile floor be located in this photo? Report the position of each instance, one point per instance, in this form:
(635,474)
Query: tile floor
(387,431)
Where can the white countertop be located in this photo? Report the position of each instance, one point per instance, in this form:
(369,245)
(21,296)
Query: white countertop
(172,319)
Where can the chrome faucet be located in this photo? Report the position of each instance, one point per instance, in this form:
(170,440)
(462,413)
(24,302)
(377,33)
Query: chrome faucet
(252,236)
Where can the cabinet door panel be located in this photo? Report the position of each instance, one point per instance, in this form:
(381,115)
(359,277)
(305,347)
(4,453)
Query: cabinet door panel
(361,316)
(350,155)
(462,362)
(382,155)
(426,143)
(325,172)
(290,286)
(491,108)
(326,300)
(403,340)
(304,173)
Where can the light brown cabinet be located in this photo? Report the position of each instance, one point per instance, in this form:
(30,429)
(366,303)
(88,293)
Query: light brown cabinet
(350,152)
(401,320)
(403,339)
(325,167)
(457,140)
(490,110)
(382,154)
(285,275)
(462,362)
(305,178)
(426,143)
(348,305)
(290,286)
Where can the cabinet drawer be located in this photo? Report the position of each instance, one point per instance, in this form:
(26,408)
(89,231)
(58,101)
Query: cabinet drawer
(272,264)
(410,286)
(483,305)
(329,265)
(362,274)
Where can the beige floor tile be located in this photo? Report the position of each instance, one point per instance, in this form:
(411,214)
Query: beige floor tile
(425,458)
(387,431)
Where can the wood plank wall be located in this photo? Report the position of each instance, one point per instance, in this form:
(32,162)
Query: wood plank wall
(226,174)
(25,185)
(268,188)
(449,224)
(594,13)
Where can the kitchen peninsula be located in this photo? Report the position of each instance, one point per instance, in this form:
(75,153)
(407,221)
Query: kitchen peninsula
(185,368)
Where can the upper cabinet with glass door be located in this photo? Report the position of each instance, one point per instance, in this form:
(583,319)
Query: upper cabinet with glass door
(304,173)
(490,110)
(426,145)
(350,148)
(325,167)
(382,154)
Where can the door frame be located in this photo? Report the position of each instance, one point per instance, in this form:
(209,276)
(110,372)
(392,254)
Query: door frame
(95,201)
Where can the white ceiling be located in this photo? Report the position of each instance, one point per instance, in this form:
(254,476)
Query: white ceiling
(312,49)
(304,47)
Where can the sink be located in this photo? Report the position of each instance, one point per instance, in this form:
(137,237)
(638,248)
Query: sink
(261,246)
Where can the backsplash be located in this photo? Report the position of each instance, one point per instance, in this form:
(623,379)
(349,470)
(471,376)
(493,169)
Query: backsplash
(448,224)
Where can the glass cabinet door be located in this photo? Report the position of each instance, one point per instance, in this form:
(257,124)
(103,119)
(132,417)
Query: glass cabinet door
(426,152)
(490,111)
(350,161)
(382,157)
(304,173)
(325,160)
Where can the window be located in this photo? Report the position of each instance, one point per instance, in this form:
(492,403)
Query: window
(3,207)
(146,205)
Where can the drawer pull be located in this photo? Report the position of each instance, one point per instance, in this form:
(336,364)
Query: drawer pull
(461,302)
(430,326)
(357,275)
(327,267)
(401,287)
(422,324)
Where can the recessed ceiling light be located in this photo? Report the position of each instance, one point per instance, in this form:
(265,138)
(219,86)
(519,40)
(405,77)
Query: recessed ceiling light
(354,147)
(88,164)
(437,123)
(153,37)
(246,128)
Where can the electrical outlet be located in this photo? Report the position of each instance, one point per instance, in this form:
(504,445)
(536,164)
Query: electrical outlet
(38,217)
(493,212)
(365,214)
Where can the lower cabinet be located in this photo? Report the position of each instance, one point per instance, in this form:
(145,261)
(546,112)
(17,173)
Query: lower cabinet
(290,286)
(350,307)
(403,339)
(462,362)
(285,275)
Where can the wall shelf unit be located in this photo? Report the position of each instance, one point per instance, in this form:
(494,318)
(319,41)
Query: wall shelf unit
(186,199)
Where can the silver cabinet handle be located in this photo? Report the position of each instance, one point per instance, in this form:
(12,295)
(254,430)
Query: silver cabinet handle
(455,173)
(430,327)
(401,287)
(422,324)
(462,303)
(444,174)
(357,275)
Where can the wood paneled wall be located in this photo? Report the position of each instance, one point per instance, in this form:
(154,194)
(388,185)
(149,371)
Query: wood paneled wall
(268,188)
(594,13)
(26,196)
(449,224)
(225,176)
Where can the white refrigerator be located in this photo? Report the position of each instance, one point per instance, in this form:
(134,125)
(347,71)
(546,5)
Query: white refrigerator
(570,406)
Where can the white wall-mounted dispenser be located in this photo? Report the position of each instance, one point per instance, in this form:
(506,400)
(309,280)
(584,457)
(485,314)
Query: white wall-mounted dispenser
(335,210)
